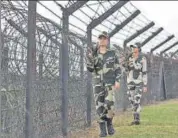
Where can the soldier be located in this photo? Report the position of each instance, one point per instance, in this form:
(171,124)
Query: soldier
(104,65)
(136,80)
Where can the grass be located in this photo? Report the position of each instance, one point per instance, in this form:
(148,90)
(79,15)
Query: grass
(157,121)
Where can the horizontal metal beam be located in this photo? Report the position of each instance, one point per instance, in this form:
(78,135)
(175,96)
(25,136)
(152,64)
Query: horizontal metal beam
(166,55)
(118,47)
(171,46)
(105,15)
(74,7)
(152,36)
(60,29)
(162,43)
(173,54)
(124,23)
(139,32)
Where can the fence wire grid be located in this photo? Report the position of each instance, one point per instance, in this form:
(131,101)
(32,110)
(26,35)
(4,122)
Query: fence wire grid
(45,87)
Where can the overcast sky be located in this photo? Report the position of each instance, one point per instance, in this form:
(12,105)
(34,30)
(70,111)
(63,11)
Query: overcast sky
(164,13)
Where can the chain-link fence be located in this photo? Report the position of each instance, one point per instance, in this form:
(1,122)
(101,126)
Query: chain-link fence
(45,88)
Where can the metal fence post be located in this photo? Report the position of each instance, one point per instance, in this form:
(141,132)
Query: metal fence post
(150,75)
(82,63)
(64,60)
(4,70)
(0,70)
(4,65)
(30,67)
(124,87)
(160,84)
(164,82)
(64,72)
(89,80)
(40,86)
(172,82)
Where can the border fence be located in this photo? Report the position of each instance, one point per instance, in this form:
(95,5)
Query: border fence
(45,89)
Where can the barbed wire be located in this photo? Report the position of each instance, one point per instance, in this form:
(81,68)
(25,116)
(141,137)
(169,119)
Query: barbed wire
(47,89)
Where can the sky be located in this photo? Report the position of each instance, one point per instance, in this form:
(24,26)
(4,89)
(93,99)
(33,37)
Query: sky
(164,13)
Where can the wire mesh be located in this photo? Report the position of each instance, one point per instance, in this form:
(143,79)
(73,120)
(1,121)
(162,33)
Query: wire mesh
(47,88)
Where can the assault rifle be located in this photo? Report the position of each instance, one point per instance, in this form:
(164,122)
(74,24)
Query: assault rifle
(125,55)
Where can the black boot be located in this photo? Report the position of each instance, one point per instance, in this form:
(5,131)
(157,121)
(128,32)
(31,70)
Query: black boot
(137,119)
(110,127)
(103,132)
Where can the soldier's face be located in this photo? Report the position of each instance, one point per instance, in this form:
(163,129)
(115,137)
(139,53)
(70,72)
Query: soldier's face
(103,41)
(135,51)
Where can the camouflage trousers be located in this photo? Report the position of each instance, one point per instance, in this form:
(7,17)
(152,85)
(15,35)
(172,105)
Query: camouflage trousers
(104,102)
(134,95)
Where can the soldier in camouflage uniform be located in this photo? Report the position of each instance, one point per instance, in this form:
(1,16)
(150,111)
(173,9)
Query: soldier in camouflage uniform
(136,80)
(104,65)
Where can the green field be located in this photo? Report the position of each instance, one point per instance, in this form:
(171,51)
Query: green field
(157,121)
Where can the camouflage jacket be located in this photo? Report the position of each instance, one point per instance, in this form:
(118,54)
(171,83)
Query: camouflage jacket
(137,70)
(105,67)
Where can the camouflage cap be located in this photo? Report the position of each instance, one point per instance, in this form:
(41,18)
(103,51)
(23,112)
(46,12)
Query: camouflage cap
(103,34)
(136,45)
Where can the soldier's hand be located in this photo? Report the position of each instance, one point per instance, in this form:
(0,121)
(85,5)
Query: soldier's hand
(130,63)
(117,85)
(121,59)
(144,89)
(89,53)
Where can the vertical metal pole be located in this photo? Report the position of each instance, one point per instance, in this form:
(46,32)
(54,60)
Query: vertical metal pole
(0,69)
(83,83)
(124,87)
(164,83)
(64,60)
(150,79)
(40,66)
(152,76)
(82,64)
(4,64)
(172,82)
(4,70)
(40,79)
(124,92)
(30,67)
(89,84)
(160,80)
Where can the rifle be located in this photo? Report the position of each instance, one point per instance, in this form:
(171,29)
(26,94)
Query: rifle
(94,50)
(126,54)
(125,62)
